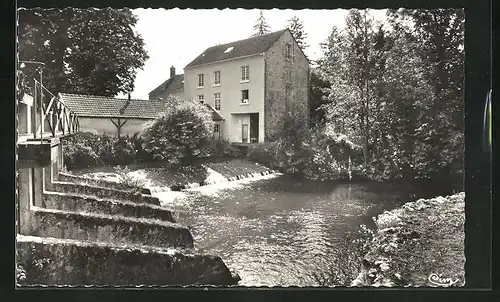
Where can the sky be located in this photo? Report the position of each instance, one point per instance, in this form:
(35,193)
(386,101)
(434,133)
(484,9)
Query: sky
(176,37)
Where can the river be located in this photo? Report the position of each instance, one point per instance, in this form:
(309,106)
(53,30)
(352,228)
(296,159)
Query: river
(278,230)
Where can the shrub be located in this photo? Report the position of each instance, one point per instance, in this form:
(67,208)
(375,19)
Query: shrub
(123,152)
(104,147)
(310,153)
(79,156)
(265,153)
(178,135)
(141,154)
(219,148)
(85,150)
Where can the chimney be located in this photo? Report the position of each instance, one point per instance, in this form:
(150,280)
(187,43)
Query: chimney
(172,71)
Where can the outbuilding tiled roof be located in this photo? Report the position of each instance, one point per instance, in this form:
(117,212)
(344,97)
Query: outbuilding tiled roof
(174,84)
(215,114)
(100,106)
(241,48)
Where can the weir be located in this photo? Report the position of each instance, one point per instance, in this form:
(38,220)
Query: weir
(85,231)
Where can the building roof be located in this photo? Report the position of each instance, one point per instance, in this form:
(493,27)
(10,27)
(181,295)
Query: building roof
(171,85)
(236,49)
(215,114)
(100,106)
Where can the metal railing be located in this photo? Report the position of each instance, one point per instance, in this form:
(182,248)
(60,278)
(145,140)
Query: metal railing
(54,114)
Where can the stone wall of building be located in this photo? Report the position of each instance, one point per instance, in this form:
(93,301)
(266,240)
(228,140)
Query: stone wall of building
(284,94)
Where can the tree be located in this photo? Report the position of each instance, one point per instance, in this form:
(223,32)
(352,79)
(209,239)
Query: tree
(296,27)
(351,64)
(86,51)
(179,135)
(440,132)
(318,99)
(261,27)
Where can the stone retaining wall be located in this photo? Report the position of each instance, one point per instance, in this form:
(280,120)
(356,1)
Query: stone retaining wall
(104,192)
(69,262)
(98,182)
(113,229)
(76,203)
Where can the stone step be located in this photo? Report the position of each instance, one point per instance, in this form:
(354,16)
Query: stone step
(103,192)
(66,177)
(74,263)
(113,229)
(83,203)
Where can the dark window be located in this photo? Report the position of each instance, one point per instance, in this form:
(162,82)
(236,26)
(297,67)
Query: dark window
(288,51)
(244,96)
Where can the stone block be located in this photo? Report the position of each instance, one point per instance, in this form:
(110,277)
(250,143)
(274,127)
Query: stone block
(104,192)
(71,262)
(106,228)
(76,203)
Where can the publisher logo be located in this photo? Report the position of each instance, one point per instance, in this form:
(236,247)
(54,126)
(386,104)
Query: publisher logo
(442,281)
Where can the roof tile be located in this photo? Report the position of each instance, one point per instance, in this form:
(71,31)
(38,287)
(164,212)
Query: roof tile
(171,85)
(100,106)
(246,47)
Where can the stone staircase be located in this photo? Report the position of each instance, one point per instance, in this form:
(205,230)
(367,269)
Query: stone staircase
(92,232)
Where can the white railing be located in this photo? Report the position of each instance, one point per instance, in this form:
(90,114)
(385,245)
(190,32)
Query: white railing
(54,115)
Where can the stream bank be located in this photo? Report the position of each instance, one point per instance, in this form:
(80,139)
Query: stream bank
(418,244)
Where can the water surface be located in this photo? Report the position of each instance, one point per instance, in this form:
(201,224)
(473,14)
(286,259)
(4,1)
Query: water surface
(278,230)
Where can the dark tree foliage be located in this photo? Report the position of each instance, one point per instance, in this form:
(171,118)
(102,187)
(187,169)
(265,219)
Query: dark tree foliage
(296,27)
(397,90)
(318,99)
(86,51)
(261,27)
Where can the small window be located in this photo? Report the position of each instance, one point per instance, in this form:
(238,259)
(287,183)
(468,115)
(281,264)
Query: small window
(244,96)
(245,73)
(201,80)
(217,101)
(216,128)
(201,98)
(229,49)
(288,51)
(217,77)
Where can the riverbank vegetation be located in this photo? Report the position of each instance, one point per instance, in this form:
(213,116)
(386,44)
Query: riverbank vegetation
(395,90)
(418,244)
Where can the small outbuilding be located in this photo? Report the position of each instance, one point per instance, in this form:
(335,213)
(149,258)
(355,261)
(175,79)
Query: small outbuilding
(112,116)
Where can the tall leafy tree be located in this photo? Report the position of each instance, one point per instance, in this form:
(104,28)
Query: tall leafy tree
(296,27)
(440,36)
(86,51)
(261,27)
(352,59)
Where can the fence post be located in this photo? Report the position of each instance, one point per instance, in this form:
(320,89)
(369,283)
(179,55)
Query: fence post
(63,117)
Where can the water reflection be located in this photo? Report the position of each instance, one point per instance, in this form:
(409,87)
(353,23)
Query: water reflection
(276,231)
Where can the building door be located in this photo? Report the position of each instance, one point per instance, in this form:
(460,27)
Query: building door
(244,133)
(254,127)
